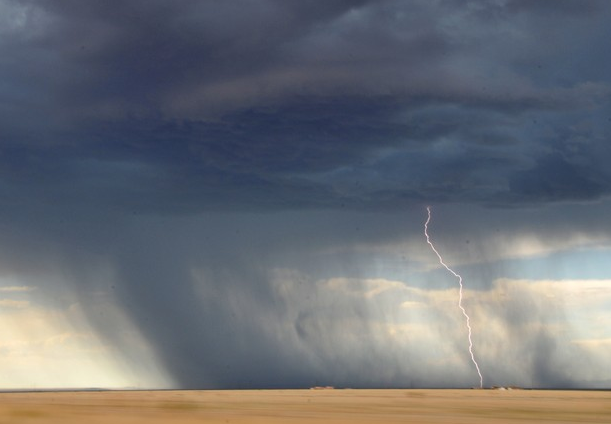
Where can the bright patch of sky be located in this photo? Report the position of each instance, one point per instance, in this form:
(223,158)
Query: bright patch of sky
(49,347)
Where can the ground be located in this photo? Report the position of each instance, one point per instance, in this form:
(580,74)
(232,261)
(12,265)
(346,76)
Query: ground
(307,406)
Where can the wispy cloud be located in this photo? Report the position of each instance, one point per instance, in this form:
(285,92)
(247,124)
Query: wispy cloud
(14,304)
(17,289)
(594,343)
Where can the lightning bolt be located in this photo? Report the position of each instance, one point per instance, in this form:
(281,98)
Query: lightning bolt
(464,312)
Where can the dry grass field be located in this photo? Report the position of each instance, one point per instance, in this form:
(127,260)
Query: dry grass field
(307,406)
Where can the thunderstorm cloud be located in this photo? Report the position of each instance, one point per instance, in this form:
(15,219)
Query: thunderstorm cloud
(205,194)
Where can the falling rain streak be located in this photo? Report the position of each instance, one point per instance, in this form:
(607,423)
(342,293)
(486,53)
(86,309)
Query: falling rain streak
(464,312)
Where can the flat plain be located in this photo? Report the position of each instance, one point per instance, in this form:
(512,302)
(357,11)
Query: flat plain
(307,406)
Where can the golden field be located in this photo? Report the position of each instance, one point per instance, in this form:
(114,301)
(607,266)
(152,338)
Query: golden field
(307,406)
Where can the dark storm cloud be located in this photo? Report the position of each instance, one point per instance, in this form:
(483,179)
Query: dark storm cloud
(554,178)
(201,100)
(122,121)
(557,7)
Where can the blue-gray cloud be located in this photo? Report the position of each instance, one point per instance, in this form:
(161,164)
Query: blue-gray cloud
(264,106)
(112,115)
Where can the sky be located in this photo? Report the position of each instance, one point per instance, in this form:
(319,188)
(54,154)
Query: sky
(204,194)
